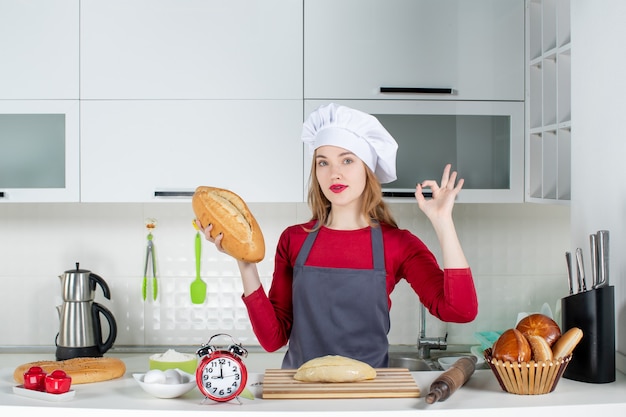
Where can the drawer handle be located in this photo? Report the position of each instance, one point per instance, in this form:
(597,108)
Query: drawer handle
(416,90)
(1,194)
(167,194)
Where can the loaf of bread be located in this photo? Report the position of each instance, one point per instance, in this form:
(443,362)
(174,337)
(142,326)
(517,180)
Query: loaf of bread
(540,325)
(81,370)
(334,368)
(541,350)
(229,215)
(567,342)
(512,346)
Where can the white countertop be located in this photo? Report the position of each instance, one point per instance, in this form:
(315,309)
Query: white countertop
(480,396)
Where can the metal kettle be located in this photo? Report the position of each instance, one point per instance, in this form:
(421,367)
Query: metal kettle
(80,330)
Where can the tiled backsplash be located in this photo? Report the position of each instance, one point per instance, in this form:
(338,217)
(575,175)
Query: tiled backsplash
(516,252)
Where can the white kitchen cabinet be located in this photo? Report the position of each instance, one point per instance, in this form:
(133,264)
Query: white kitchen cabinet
(483,140)
(193,49)
(39,49)
(353,48)
(39,151)
(145,150)
(548,102)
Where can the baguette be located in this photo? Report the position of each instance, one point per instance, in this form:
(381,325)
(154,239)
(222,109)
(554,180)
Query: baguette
(229,215)
(334,368)
(565,345)
(81,370)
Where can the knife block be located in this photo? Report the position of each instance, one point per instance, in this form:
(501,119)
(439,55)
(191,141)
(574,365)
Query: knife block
(593,311)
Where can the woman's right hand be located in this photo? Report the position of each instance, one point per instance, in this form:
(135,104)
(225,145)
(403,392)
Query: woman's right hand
(207,235)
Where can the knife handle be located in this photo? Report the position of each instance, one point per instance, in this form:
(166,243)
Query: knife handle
(580,270)
(593,246)
(603,258)
(570,279)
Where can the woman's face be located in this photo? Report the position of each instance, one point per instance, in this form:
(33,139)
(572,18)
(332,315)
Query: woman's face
(340,174)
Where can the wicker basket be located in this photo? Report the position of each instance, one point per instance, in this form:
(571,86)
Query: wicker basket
(527,378)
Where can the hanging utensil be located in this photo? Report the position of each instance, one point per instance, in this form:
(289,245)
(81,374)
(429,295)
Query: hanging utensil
(150,260)
(198,286)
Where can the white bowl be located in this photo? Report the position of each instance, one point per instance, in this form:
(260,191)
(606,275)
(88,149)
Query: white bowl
(447,361)
(168,390)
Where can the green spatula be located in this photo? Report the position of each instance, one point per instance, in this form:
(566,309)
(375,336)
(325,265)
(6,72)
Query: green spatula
(198,287)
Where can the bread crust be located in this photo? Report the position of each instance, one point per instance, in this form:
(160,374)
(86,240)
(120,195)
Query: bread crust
(230,215)
(567,342)
(540,325)
(81,370)
(512,346)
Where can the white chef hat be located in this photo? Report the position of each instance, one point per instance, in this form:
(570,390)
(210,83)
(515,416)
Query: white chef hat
(358,132)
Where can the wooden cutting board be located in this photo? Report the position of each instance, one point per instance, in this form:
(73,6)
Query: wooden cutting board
(389,383)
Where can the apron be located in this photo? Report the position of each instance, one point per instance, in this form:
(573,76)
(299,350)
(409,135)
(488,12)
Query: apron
(339,311)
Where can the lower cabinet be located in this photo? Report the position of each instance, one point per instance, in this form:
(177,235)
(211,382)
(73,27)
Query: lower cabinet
(161,150)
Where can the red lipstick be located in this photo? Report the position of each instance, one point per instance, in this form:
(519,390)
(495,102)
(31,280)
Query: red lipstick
(337,188)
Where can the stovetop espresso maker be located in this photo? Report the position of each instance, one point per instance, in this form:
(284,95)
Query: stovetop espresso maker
(80,332)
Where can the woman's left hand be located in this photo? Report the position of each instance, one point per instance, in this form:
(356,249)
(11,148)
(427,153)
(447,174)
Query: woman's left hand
(443,196)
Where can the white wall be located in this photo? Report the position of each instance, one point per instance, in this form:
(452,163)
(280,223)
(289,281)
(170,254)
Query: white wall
(515,250)
(598,140)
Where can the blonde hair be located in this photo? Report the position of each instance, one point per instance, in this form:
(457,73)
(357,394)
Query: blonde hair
(373,206)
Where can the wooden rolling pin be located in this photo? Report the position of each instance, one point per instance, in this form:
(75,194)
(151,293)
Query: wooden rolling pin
(447,383)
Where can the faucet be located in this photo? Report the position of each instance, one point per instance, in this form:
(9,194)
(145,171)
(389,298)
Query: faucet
(425,344)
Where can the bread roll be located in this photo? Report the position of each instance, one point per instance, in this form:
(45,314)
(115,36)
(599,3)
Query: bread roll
(230,215)
(566,343)
(540,325)
(540,348)
(334,368)
(82,370)
(511,346)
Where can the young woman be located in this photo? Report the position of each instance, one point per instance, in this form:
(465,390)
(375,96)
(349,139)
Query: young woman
(334,274)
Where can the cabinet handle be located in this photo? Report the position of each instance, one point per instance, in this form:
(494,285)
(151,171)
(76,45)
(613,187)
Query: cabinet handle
(1,194)
(404,194)
(173,193)
(416,90)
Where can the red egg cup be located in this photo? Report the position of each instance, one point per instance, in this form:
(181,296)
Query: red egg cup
(34,379)
(58,382)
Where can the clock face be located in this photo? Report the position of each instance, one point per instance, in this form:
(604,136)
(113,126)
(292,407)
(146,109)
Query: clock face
(221,376)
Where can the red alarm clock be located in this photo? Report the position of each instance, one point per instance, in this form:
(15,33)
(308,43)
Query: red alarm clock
(221,374)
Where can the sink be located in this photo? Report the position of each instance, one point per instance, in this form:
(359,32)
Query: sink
(407,358)
(412,363)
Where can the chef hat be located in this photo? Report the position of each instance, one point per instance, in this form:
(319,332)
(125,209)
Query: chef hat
(358,132)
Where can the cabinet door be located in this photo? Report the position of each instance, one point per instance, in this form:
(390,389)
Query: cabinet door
(354,47)
(39,151)
(483,140)
(193,49)
(131,150)
(39,49)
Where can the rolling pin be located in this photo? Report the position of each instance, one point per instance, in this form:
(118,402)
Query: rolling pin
(448,382)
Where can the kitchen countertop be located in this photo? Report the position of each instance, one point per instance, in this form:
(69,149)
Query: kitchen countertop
(480,396)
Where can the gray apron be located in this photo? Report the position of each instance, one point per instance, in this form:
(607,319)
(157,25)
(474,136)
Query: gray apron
(339,311)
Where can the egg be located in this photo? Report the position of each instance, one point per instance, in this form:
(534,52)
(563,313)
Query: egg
(173,377)
(155,376)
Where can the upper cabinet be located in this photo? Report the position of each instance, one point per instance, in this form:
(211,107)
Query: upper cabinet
(39,49)
(39,151)
(196,49)
(440,50)
(548,102)
(157,150)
